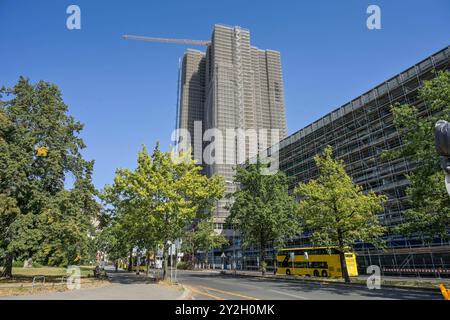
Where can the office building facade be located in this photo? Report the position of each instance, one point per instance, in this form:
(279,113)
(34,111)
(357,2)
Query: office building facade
(235,85)
(359,132)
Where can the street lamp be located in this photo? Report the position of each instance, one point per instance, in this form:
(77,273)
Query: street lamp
(178,243)
(138,262)
(234,233)
(169,243)
(442,142)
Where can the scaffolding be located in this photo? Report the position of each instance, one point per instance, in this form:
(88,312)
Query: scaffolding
(359,132)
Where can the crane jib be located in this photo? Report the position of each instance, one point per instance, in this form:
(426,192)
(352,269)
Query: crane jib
(168,40)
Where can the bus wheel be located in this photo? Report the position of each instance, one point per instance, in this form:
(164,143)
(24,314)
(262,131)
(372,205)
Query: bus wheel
(316,273)
(324,274)
(288,272)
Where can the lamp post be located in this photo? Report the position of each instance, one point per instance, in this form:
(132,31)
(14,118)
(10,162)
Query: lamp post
(178,243)
(234,234)
(442,142)
(234,249)
(138,262)
(213,262)
(171,260)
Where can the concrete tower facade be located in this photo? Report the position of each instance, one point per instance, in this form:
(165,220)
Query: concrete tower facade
(192,93)
(231,86)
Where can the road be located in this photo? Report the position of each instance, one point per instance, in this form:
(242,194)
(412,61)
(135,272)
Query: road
(204,285)
(214,286)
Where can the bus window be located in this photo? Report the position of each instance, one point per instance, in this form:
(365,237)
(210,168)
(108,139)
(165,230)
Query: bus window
(319,265)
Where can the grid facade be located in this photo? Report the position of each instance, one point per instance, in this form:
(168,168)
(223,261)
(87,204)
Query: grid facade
(192,87)
(359,132)
(233,85)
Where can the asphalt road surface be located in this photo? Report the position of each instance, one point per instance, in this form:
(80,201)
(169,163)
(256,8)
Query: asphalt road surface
(124,286)
(214,286)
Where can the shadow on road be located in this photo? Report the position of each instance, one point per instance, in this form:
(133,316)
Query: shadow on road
(341,290)
(124,277)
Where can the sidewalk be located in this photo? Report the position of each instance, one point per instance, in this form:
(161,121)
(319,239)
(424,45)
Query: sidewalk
(124,286)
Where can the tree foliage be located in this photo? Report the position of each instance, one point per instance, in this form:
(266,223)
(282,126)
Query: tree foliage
(114,240)
(42,218)
(336,210)
(202,237)
(262,209)
(430,212)
(162,196)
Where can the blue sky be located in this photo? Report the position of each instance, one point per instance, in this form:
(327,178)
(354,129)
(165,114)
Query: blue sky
(125,92)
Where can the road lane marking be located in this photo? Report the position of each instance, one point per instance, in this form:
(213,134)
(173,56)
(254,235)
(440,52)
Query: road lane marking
(231,293)
(207,294)
(289,294)
(239,283)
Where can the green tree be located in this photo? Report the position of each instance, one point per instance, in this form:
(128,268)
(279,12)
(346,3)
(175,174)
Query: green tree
(170,192)
(336,210)
(113,240)
(430,212)
(8,214)
(49,221)
(262,209)
(202,237)
(129,226)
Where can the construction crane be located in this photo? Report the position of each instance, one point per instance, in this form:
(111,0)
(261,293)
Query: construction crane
(168,40)
(176,41)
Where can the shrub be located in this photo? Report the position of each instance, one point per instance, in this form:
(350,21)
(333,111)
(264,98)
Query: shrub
(17,264)
(184,265)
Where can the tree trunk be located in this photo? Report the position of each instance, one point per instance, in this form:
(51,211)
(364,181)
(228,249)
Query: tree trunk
(116,265)
(7,269)
(344,267)
(263,266)
(263,259)
(274,261)
(165,262)
(138,264)
(130,261)
(342,258)
(147,264)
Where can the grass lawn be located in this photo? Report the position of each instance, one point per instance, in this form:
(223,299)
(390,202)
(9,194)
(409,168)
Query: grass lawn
(52,274)
(25,288)
(50,271)
(22,280)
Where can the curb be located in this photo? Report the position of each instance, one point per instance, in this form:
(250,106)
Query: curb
(185,293)
(206,270)
(329,282)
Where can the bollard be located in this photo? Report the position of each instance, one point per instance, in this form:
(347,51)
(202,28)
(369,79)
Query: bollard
(37,278)
(445,292)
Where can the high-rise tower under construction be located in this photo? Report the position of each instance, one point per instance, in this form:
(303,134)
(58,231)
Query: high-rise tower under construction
(231,86)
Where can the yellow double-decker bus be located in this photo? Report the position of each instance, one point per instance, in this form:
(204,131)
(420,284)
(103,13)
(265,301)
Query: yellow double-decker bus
(142,264)
(315,261)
